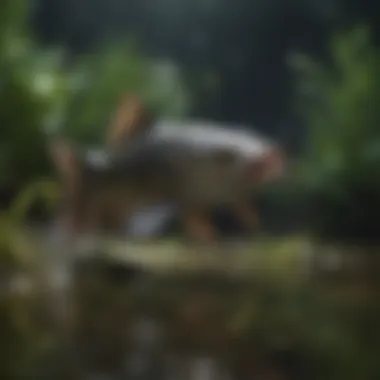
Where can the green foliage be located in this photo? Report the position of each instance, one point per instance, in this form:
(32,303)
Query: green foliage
(31,88)
(39,93)
(13,17)
(24,102)
(338,101)
(99,81)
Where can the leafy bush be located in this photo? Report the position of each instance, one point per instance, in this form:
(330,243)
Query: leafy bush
(338,101)
(40,92)
(99,81)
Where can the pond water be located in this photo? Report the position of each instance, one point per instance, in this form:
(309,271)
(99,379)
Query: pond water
(116,322)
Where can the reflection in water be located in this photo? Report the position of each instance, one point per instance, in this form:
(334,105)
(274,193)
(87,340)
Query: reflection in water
(119,327)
